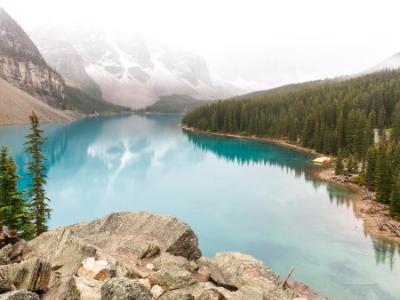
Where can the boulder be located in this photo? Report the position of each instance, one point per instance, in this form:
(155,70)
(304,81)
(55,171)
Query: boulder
(124,289)
(245,276)
(129,235)
(6,285)
(19,295)
(32,275)
(145,282)
(171,272)
(89,289)
(172,278)
(205,291)
(95,269)
(7,236)
(63,289)
(139,249)
(211,295)
(156,291)
(5,254)
(12,253)
(64,252)
(177,295)
(167,233)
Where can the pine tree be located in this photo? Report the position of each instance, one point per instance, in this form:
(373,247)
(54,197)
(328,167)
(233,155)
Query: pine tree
(339,165)
(396,123)
(15,212)
(395,198)
(3,181)
(352,166)
(382,175)
(37,173)
(371,168)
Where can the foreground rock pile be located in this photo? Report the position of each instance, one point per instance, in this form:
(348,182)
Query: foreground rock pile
(133,256)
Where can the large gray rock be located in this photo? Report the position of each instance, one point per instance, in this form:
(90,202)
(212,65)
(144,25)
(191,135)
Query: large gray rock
(127,233)
(89,289)
(169,234)
(32,274)
(171,272)
(124,289)
(19,295)
(245,276)
(177,295)
(65,289)
(11,252)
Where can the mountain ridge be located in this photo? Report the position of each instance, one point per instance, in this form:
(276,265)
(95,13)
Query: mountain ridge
(133,71)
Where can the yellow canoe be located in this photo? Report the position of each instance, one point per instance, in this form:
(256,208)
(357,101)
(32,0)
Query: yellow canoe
(322,160)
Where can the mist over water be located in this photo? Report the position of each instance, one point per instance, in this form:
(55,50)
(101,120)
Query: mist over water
(238,195)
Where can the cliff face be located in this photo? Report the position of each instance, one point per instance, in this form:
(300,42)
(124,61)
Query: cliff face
(22,65)
(134,256)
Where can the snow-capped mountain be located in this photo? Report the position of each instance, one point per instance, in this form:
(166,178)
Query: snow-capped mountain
(135,72)
(392,63)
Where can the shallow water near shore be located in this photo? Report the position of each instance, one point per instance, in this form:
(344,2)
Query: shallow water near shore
(237,195)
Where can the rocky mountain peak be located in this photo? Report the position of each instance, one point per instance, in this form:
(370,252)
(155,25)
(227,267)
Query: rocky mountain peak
(132,70)
(15,42)
(22,65)
(391,63)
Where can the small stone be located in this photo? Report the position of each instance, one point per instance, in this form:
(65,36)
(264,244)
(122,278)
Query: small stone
(95,269)
(156,291)
(145,282)
(192,266)
(203,274)
(150,267)
(211,295)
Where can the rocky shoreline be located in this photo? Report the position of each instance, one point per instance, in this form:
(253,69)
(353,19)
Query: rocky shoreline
(376,217)
(133,256)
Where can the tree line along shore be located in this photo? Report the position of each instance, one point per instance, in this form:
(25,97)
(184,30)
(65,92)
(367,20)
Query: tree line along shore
(355,120)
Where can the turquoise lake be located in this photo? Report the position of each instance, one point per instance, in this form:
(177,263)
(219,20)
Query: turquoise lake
(237,195)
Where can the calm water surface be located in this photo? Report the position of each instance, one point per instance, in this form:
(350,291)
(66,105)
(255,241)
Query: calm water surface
(237,195)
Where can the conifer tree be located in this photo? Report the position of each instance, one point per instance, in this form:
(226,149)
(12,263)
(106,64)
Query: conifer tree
(37,172)
(352,166)
(15,211)
(371,168)
(3,182)
(395,197)
(396,123)
(382,175)
(339,165)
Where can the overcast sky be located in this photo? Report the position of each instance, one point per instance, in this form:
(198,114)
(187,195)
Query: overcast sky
(260,41)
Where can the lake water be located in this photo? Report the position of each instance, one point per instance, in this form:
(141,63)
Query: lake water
(237,195)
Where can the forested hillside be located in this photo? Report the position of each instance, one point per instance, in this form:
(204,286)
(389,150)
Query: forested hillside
(333,117)
(175,104)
